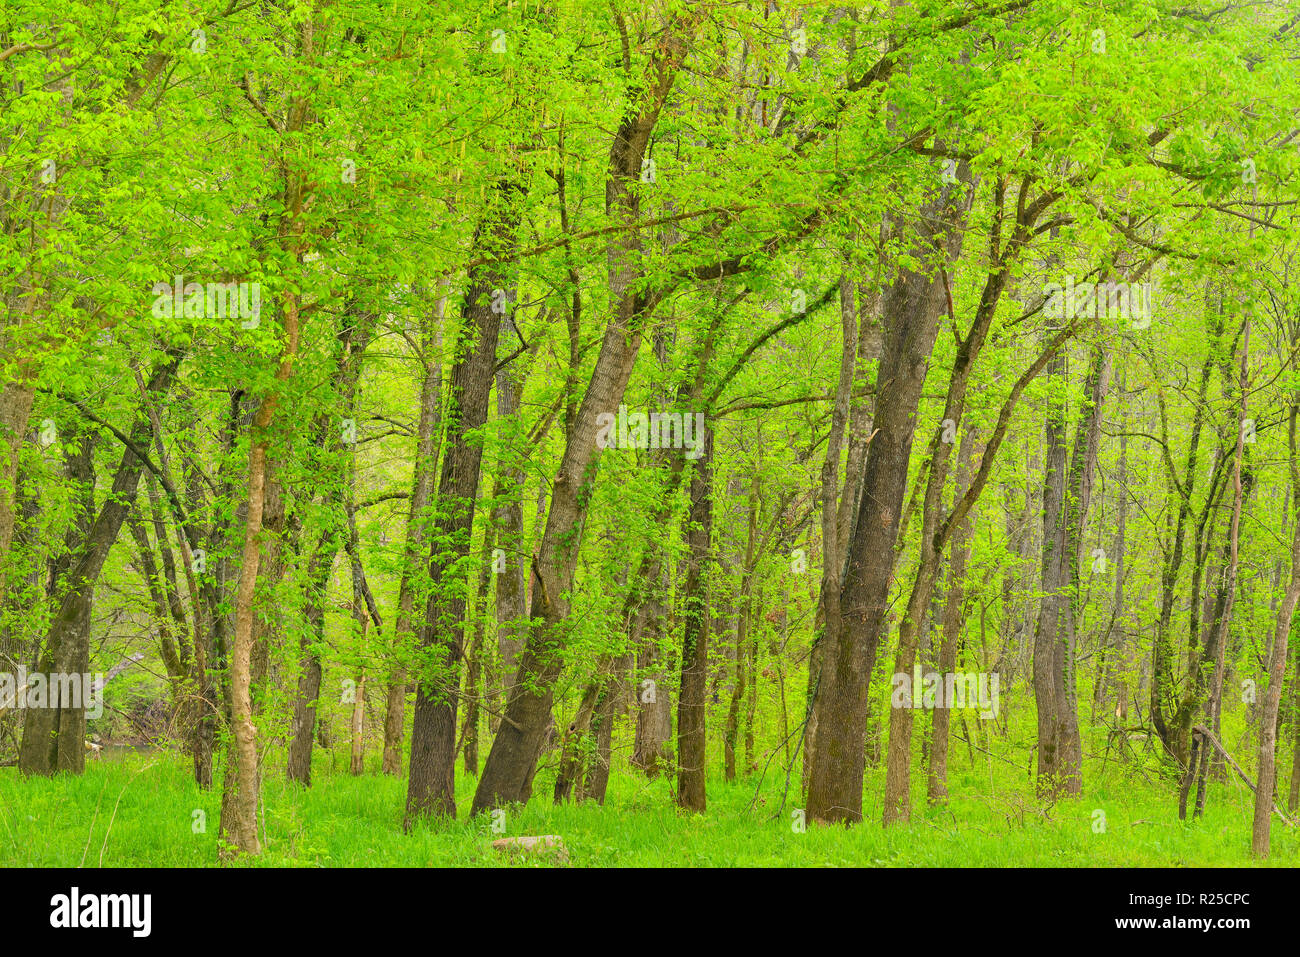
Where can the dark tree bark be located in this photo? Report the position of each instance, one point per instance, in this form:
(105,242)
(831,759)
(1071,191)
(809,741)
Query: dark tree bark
(54,737)
(510,765)
(912,308)
(426,467)
(475,687)
(692,700)
(431,789)
(829,610)
(309,681)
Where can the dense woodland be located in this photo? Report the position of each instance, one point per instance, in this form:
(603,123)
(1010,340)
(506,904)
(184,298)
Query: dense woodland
(505,397)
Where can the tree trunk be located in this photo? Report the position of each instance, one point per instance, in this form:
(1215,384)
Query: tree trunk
(954,617)
(508,518)
(692,698)
(426,467)
(475,686)
(1065,513)
(431,789)
(512,761)
(912,309)
(357,766)
(54,736)
(830,612)
(654,715)
(61,724)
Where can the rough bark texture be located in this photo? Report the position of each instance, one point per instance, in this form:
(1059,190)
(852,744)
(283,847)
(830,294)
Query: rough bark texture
(431,789)
(651,749)
(426,467)
(1066,500)
(508,518)
(53,735)
(510,765)
(475,686)
(912,308)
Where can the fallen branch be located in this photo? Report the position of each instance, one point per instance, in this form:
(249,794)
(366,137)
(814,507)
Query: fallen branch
(1208,735)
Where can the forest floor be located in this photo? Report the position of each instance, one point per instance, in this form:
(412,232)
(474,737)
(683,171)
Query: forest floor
(144,810)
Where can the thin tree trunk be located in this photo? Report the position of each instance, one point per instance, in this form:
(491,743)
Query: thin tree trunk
(475,687)
(357,766)
(54,736)
(692,698)
(954,616)
(309,681)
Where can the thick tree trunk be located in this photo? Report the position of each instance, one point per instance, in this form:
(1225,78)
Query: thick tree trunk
(654,714)
(62,723)
(912,309)
(832,570)
(431,789)
(1066,500)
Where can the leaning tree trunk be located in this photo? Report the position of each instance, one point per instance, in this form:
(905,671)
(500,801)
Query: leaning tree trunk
(508,772)
(912,309)
(54,737)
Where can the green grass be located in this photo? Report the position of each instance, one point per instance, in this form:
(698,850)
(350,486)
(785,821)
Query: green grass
(140,811)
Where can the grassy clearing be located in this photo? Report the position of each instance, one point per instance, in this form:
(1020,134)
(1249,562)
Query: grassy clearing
(141,811)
